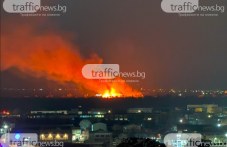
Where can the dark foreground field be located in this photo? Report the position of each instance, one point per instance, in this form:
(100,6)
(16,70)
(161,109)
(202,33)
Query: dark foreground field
(26,104)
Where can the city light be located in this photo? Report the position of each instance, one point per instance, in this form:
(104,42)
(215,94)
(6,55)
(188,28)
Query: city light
(65,136)
(5,126)
(181,120)
(17,136)
(50,136)
(57,136)
(73,137)
(149,118)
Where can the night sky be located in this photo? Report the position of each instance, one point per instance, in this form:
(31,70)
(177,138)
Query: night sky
(175,52)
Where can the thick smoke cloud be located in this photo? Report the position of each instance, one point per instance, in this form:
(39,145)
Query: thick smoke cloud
(50,54)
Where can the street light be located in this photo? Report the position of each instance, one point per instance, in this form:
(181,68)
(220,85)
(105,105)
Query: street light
(5,126)
(225,134)
(181,120)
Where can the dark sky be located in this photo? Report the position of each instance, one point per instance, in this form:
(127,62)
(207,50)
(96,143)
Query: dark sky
(175,52)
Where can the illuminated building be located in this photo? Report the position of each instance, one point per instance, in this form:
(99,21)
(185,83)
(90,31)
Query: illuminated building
(206,108)
(100,138)
(54,136)
(98,126)
(79,136)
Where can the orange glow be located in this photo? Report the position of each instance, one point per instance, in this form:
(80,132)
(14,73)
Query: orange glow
(225,92)
(5,112)
(111,93)
(51,55)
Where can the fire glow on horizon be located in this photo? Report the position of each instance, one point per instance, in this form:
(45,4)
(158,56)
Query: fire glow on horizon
(51,55)
(111,93)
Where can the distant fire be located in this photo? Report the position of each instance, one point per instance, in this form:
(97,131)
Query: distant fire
(51,55)
(116,90)
(111,93)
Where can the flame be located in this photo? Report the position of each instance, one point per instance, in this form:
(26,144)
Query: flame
(111,93)
(51,55)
